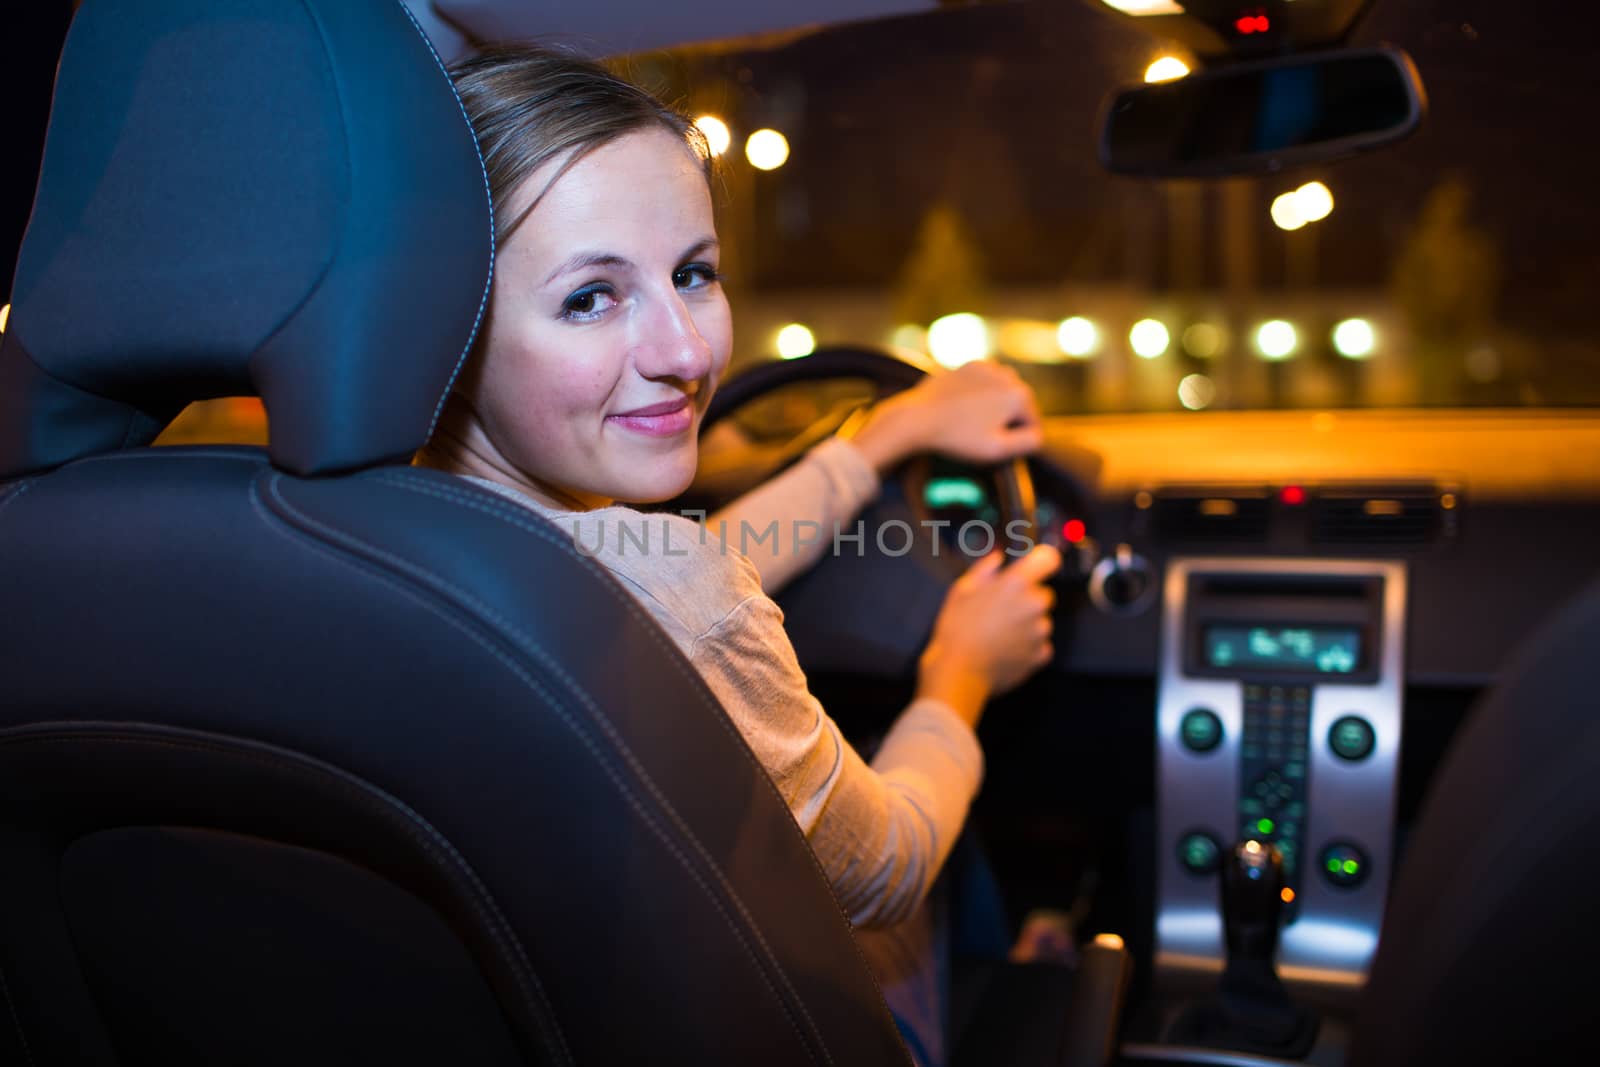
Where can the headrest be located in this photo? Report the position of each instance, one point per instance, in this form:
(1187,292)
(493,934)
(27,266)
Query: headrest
(274,198)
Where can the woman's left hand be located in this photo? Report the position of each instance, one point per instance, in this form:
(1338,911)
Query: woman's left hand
(981,413)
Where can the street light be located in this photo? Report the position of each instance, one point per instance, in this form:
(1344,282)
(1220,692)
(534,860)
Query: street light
(1355,339)
(1276,340)
(957,339)
(1077,337)
(718,136)
(766,149)
(1148,338)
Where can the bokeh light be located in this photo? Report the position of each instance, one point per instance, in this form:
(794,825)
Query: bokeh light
(1196,392)
(957,339)
(1077,337)
(1276,339)
(1204,340)
(1314,200)
(718,136)
(1148,338)
(767,149)
(794,341)
(1355,339)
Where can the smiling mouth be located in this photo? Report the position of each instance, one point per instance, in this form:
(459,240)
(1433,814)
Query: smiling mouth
(666,419)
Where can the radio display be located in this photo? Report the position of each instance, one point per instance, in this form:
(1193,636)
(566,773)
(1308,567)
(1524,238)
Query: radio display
(1307,649)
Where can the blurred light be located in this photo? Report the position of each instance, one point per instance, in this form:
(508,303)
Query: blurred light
(1027,341)
(1146,7)
(1248,24)
(1203,340)
(5,316)
(1276,339)
(1142,500)
(957,339)
(1286,212)
(1314,200)
(1448,501)
(1287,895)
(1166,69)
(1074,531)
(1354,339)
(767,149)
(1148,338)
(718,136)
(794,341)
(1111,941)
(1077,337)
(1293,495)
(1196,392)
(1264,826)
(910,335)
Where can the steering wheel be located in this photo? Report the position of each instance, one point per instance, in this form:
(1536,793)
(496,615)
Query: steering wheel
(867,613)
(888,374)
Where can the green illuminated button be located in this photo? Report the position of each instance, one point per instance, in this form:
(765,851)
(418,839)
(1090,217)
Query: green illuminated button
(1343,864)
(1200,729)
(1351,738)
(1264,826)
(1199,853)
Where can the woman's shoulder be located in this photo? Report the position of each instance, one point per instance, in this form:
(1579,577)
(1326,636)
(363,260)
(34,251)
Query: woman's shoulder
(681,570)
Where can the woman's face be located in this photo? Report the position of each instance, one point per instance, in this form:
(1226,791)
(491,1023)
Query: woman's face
(608,328)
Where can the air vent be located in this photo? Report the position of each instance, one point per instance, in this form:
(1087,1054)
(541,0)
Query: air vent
(1199,515)
(1395,516)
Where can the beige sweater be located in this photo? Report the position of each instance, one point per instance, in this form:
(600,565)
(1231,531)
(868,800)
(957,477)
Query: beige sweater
(882,831)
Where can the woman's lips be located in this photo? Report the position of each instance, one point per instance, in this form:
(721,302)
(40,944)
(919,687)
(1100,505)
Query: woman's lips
(658,420)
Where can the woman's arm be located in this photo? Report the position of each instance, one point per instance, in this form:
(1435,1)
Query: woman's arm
(982,413)
(786,524)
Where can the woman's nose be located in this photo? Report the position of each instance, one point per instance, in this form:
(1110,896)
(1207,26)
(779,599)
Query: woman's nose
(671,345)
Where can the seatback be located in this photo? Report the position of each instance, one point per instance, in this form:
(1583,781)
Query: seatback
(1490,936)
(307,755)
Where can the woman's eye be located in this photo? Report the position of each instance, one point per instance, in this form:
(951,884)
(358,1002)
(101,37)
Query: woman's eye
(695,276)
(588,303)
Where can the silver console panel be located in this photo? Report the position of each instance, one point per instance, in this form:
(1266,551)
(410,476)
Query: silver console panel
(1330,942)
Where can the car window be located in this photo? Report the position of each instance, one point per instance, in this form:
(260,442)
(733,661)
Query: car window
(941,172)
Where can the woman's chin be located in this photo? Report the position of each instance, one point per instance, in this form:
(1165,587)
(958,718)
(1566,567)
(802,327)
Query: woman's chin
(662,482)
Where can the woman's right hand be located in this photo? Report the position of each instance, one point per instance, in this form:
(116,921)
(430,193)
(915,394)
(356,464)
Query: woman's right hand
(992,632)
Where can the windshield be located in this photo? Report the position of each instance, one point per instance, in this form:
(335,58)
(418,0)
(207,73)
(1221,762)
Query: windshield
(942,172)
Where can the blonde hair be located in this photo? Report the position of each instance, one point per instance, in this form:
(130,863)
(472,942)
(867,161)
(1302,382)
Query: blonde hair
(530,104)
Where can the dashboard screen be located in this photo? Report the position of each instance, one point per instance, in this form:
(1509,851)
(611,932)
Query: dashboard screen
(1312,649)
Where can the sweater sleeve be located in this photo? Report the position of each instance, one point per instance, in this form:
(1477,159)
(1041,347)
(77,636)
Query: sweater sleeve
(785,524)
(881,832)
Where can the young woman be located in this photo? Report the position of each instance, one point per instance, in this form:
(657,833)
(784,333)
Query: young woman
(606,335)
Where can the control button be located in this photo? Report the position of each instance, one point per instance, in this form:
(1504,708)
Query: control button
(1201,730)
(1199,853)
(1343,864)
(1351,738)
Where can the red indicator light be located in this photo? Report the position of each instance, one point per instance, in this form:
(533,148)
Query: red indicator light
(1074,531)
(1293,495)
(1248,24)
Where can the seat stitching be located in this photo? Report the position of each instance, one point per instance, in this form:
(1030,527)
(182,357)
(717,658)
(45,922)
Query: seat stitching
(742,935)
(437,847)
(499,926)
(20,488)
(15,1021)
(488,285)
(498,507)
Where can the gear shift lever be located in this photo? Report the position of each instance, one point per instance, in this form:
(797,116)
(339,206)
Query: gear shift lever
(1252,1010)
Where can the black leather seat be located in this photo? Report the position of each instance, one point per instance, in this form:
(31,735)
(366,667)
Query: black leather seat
(307,756)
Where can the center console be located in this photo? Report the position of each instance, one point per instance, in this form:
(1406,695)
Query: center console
(1278,722)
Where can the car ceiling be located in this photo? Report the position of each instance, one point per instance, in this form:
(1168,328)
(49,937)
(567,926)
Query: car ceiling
(614,27)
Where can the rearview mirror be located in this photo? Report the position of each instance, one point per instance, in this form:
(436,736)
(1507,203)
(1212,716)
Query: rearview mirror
(1265,116)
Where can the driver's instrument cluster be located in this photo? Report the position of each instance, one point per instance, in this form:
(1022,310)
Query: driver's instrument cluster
(1279,721)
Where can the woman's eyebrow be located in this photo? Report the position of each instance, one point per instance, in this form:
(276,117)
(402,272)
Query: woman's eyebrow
(584,260)
(705,244)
